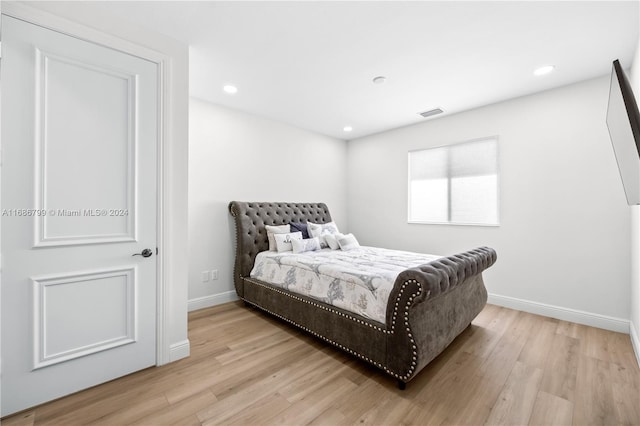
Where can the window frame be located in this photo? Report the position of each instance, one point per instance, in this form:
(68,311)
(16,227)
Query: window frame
(449,197)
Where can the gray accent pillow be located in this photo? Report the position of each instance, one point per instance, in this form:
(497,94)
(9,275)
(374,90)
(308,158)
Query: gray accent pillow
(302,227)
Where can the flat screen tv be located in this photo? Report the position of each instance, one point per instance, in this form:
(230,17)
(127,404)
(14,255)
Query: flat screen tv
(623,121)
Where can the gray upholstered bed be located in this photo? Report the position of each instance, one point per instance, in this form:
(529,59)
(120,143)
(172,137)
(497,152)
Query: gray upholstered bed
(428,306)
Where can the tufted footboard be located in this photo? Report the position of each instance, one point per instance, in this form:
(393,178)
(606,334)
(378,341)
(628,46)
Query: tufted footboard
(432,304)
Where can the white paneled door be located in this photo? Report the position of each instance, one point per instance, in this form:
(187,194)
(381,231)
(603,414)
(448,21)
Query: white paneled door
(79,140)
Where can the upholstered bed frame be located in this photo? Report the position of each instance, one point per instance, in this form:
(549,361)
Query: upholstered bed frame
(428,307)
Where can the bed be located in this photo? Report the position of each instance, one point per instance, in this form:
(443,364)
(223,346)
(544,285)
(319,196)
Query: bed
(428,305)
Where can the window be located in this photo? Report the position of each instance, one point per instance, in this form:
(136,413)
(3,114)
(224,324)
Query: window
(455,184)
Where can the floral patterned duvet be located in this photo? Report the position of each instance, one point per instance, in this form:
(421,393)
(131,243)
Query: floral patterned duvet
(357,280)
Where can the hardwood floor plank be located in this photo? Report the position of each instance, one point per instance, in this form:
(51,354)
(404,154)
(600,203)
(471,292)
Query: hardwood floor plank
(487,315)
(175,413)
(197,384)
(357,403)
(571,329)
(329,417)
(625,376)
(551,410)
(231,403)
(473,403)
(307,409)
(457,394)
(608,346)
(621,351)
(561,368)
(449,380)
(486,338)
(536,350)
(61,407)
(501,360)
(401,412)
(26,418)
(360,371)
(133,413)
(627,405)
(257,413)
(595,344)
(319,377)
(515,402)
(386,414)
(593,403)
(249,348)
(237,376)
(101,402)
(626,393)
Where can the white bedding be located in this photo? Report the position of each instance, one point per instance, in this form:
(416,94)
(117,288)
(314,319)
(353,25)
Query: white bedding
(358,280)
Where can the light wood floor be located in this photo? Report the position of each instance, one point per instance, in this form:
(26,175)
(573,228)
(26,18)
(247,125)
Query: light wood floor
(247,368)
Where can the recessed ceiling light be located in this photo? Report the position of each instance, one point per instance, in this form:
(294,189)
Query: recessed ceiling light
(379,80)
(230,89)
(347,128)
(546,69)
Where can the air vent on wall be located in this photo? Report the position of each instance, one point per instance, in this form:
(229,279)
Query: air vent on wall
(431,112)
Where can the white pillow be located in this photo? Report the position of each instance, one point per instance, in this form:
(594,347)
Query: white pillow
(283,241)
(310,244)
(320,230)
(332,240)
(279,229)
(348,242)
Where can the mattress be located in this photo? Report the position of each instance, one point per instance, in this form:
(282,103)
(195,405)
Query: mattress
(358,280)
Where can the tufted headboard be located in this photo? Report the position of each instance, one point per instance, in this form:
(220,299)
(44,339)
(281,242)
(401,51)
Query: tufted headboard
(251,235)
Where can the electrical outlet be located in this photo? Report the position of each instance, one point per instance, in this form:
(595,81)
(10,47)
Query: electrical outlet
(205,276)
(214,274)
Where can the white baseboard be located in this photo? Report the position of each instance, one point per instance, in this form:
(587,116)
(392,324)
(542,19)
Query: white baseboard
(179,350)
(212,300)
(635,341)
(581,317)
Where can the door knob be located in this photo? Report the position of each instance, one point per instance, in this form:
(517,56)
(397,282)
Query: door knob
(144,253)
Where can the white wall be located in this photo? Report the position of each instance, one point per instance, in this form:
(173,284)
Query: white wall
(238,156)
(564,237)
(175,342)
(634,76)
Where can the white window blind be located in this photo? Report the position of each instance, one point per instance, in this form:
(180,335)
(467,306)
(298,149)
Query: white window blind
(455,184)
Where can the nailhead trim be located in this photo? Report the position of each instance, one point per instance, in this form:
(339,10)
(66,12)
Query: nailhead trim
(405,314)
(333,311)
(414,348)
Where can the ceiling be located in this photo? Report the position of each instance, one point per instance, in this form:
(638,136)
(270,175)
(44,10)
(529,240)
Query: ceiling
(311,64)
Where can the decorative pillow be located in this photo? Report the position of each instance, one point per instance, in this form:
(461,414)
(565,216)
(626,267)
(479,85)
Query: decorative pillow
(283,241)
(332,240)
(320,230)
(301,227)
(348,242)
(279,229)
(310,244)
